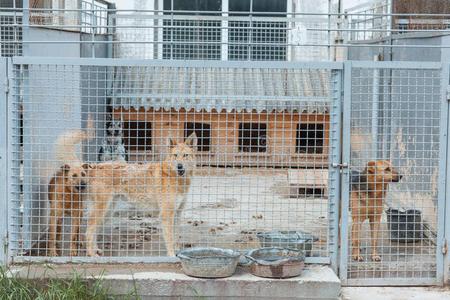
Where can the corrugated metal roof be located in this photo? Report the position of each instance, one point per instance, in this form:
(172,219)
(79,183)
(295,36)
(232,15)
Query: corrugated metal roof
(260,89)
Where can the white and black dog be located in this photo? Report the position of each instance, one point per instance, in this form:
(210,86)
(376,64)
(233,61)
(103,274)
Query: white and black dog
(112,148)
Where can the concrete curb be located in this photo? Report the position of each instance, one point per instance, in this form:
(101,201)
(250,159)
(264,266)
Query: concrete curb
(168,282)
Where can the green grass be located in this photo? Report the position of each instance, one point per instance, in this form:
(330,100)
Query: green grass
(74,288)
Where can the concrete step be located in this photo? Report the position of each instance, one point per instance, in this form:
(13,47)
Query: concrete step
(167,281)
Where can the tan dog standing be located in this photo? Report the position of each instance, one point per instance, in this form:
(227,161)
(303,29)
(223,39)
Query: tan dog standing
(153,186)
(368,192)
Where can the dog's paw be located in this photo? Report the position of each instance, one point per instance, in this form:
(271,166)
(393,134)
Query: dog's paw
(94,253)
(53,253)
(74,253)
(358,257)
(376,257)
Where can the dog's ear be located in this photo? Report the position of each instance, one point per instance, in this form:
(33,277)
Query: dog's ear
(191,140)
(65,168)
(371,166)
(87,166)
(172,143)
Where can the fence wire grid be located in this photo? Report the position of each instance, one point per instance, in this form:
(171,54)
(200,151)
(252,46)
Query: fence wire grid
(234,125)
(395,152)
(255,169)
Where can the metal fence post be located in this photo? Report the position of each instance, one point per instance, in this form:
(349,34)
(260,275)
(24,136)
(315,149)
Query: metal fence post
(443,234)
(4,196)
(26,28)
(345,182)
(335,161)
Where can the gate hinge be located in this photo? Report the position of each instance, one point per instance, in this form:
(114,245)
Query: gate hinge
(444,247)
(448,94)
(6,241)
(340,166)
(6,85)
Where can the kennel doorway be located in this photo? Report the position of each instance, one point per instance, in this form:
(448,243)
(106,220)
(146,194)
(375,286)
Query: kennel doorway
(397,111)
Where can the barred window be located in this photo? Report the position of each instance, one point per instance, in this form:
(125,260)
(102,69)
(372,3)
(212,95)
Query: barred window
(257,40)
(247,40)
(310,138)
(192,39)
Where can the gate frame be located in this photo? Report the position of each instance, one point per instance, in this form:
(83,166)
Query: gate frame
(334,163)
(345,180)
(334,102)
(339,158)
(4,168)
(445,135)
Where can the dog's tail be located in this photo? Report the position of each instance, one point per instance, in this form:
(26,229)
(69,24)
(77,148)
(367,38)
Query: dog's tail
(66,144)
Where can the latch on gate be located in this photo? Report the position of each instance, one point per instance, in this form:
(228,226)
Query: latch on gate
(340,166)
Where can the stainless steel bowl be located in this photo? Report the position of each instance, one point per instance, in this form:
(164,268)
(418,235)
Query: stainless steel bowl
(276,262)
(209,262)
(288,239)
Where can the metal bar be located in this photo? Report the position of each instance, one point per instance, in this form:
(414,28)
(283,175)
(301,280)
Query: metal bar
(329,30)
(375,107)
(176,63)
(381,30)
(4,193)
(296,20)
(130,259)
(26,28)
(22,73)
(442,181)
(14,218)
(225,31)
(254,44)
(391,282)
(259,13)
(443,259)
(345,181)
(335,158)
(93,28)
(404,65)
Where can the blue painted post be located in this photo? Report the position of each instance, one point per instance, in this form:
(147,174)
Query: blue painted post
(4,196)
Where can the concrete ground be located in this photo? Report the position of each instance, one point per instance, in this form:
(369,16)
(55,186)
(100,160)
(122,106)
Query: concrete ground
(395,293)
(225,208)
(167,281)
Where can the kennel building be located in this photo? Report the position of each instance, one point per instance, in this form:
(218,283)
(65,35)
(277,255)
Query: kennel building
(216,104)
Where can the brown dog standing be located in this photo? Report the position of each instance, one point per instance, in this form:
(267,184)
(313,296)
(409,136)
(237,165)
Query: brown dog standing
(67,187)
(65,196)
(368,192)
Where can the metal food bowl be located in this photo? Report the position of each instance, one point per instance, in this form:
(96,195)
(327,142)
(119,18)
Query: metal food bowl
(288,239)
(276,262)
(209,262)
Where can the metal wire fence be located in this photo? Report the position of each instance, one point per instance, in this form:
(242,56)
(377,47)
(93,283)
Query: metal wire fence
(201,128)
(220,35)
(242,166)
(395,158)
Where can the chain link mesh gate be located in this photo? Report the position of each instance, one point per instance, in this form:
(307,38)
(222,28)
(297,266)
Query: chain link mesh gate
(266,138)
(394,189)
